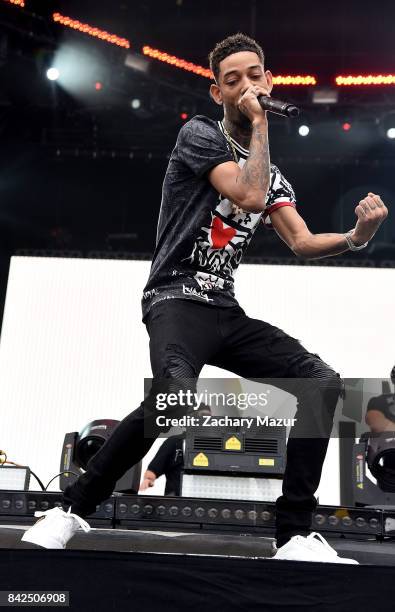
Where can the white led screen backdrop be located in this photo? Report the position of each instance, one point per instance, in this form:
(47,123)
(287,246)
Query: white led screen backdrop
(73,347)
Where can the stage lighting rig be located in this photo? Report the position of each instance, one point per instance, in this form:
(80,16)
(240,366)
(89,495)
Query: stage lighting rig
(79,448)
(376,450)
(304,130)
(86,28)
(381,459)
(135,103)
(20,3)
(53,73)
(142,107)
(186,108)
(137,62)
(365,80)
(325,95)
(387,125)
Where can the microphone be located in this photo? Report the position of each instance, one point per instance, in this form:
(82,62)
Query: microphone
(278,106)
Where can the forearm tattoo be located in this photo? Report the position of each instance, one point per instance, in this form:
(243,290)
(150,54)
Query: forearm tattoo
(256,170)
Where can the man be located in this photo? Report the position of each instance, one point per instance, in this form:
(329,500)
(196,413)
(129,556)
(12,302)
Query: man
(218,186)
(380,411)
(169,461)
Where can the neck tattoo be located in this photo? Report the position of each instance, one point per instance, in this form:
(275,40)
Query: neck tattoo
(240,135)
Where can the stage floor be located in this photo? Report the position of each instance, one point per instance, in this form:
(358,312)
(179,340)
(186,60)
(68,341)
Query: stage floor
(170,571)
(247,546)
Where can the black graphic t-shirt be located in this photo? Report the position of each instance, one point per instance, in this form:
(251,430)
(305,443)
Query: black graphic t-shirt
(169,460)
(384,403)
(200,238)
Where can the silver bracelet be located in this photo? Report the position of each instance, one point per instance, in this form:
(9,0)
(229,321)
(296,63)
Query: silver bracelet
(351,245)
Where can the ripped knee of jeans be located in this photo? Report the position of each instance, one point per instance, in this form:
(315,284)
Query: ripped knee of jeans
(178,364)
(310,366)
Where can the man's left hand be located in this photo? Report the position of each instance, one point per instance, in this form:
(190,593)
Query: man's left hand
(371,212)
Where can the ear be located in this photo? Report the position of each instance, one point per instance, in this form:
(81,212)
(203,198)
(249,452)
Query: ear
(215,93)
(269,79)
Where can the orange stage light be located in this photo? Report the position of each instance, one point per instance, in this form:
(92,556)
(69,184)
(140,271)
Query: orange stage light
(206,72)
(370,79)
(87,29)
(294,80)
(177,62)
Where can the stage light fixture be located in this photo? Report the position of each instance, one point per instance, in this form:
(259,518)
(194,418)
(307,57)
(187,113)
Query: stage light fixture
(185,107)
(135,103)
(305,80)
(176,61)
(287,80)
(53,73)
(346,126)
(386,125)
(304,130)
(84,73)
(325,95)
(91,31)
(362,80)
(137,62)
(79,448)
(381,459)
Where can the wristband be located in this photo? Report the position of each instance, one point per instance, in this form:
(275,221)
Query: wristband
(351,245)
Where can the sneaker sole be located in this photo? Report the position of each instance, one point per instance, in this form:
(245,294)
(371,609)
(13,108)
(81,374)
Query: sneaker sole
(338,561)
(37,541)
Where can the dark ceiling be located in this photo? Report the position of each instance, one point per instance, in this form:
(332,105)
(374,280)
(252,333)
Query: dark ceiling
(302,35)
(305,37)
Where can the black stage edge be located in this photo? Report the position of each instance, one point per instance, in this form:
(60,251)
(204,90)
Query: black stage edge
(170,583)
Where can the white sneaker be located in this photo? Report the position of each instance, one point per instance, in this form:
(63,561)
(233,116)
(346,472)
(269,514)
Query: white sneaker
(311,548)
(55,528)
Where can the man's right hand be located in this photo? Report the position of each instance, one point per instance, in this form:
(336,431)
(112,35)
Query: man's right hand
(248,103)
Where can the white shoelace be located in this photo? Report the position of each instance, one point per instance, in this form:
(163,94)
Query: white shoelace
(315,541)
(83,524)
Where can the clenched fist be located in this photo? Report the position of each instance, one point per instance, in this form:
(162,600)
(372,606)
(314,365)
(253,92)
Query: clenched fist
(371,212)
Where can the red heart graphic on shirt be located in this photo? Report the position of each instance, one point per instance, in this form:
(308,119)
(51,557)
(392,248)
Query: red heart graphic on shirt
(220,236)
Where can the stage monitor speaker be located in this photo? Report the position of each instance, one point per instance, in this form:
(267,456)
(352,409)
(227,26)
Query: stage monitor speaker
(234,462)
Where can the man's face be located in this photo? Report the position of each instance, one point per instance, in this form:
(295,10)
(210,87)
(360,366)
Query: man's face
(237,73)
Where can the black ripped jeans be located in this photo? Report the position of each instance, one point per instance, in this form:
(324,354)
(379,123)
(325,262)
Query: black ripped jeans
(184,336)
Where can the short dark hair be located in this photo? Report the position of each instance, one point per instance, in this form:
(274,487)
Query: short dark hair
(233,44)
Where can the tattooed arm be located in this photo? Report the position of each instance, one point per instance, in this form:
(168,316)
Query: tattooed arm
(247,187)
(255,174)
